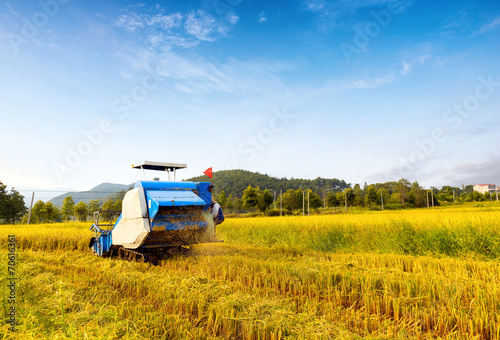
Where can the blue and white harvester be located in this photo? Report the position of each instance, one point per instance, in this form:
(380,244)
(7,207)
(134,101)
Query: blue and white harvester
(157,218)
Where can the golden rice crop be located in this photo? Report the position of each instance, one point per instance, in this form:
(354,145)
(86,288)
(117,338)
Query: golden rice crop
(451,232)
(318,277)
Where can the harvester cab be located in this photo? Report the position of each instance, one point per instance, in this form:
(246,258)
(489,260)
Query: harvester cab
(157,218)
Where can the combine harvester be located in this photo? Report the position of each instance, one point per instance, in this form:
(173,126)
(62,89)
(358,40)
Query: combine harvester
(157,218)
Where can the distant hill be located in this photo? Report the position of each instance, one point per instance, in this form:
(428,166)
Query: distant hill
(101,192)
(233,182)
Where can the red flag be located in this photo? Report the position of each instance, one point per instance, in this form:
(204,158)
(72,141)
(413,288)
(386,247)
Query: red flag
(208,172)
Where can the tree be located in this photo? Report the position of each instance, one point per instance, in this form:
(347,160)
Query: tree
(51,213)
(402,188)
(383,194)
(3,200)
(17,208)
(359,197)
(11,205)
(351,198)
(108,205)
(340,198)
(477,197)
(463,197)
(117,205)
(222,199)
(81,211)
(417,195)
(68,208)
(264,200)
(94,205)
(292,199)
(45,212)
(250,197)
(238,204)
(331,200)
(371,196)
(315,201)
(38,212)
(300,199)
(231,202)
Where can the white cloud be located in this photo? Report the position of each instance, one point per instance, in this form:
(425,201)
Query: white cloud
(130,22)
(11,10)
(410,58)
(490,26)
(170,41)
(233,19)
(331,12)
(165,42)
(262,17)
(407,65)
(371,83)
(415,57)
(201,25)
(133,21)
(315,5)
(166,22)
(156,39)
(474,172)
(166,31)
(196,75)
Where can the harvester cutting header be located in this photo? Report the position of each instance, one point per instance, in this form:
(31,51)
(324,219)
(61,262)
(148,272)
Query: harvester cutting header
(157,217)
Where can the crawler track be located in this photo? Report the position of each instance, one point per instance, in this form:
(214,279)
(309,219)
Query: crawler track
(130,255)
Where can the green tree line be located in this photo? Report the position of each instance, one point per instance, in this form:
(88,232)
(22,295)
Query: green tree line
(390,195)
(234,182)
(325,193)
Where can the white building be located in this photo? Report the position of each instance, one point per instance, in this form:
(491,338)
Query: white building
(482,188)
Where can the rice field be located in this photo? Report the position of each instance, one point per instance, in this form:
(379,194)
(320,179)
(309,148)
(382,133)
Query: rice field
(419,274)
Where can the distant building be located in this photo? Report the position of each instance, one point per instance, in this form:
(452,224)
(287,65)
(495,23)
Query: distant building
(482,188)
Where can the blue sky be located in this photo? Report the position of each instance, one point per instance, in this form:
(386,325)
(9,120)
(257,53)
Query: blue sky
(369,90)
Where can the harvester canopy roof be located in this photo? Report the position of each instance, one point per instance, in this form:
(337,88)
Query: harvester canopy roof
(159,166)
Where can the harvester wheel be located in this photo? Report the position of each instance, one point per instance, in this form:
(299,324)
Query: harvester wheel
(91,245)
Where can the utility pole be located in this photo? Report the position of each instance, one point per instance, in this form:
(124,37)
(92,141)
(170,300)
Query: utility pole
(345,197)
(307,202)
(303,203)
(432,194)
(427,191)
(382,199)
(274,199)
(281,200)
(33,196)
(497,195)
(453,196)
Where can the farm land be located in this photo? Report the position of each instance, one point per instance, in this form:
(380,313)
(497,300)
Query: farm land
(416,273)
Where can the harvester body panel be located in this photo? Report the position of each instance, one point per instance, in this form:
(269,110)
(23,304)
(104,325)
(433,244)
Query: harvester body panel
(133,226)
